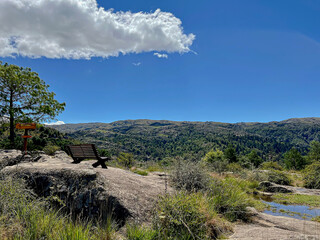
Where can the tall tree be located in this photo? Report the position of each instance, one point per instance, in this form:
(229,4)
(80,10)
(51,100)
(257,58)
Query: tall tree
(25,97)
(230,154)
(314,153)
(254,158)
(294,160)
(213,156)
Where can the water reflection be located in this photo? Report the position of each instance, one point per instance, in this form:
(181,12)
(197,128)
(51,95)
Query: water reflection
(294,211)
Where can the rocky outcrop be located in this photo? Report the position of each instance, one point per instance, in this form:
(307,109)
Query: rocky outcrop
(90,192)
(9,157)
(269,187)
(270,227)
(304,191)
(273,188)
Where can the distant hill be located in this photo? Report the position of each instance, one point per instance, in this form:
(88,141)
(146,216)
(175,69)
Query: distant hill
(152,139)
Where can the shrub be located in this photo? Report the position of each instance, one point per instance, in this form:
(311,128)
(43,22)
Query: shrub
(24,216)
(274,176)
(230,154)
(271,166)
(213,156)
(229,198)
(125,159)
(278,177)
(215,161)
(188,216)
(312,176)
(257,175)
(189,176)
(254,158)
(51,149)
(294,160)
(104,153)
(245,162)
(234,167)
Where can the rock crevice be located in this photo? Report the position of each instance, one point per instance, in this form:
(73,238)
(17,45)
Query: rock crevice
(85,191)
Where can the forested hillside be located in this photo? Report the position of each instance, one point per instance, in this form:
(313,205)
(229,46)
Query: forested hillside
(151,139)
(43,138)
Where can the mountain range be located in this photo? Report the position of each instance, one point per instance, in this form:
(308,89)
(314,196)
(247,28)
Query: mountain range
(157,139)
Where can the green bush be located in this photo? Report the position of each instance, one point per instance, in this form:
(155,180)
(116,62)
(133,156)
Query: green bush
(51,149)
(234,167)
(294,160)
(215,161)
(278,177)
(125,159)
(312,176)
(271,166)
(254,158)
(274,176)
(104,153)
(188,216)
(189,176)
(257,175)
(229,198)
(24,216)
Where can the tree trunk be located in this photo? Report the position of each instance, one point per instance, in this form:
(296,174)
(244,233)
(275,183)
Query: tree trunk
(11,113)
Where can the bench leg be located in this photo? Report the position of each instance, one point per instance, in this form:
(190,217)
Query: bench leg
(102,163)
(96,164)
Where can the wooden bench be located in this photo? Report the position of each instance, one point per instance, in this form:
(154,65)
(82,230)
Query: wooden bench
(87,151)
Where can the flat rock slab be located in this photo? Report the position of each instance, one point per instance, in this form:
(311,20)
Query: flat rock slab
(138,193)
(9,157)
(304,191)
(135,194)
(270,227)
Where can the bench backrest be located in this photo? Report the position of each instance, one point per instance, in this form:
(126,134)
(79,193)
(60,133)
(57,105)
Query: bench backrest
(83,151)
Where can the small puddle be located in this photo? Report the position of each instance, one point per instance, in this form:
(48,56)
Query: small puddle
(302,212)
(294,211)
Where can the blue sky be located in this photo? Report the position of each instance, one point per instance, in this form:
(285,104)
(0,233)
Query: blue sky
(256,60)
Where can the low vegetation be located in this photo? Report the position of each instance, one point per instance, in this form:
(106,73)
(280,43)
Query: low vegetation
(271,166)
(312,176)
(297,199)
(189,216)
(24,216)
(189,176)
(278,177)
(136,232)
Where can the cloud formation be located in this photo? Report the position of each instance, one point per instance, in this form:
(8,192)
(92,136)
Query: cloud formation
(55,123)
(159,55)
(76,29)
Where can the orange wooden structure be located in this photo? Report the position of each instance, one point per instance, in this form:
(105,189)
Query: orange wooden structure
(26,127)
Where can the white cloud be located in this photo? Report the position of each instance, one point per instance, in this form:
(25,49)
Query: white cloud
(55,123)
(4,119)
(159,55)
(75,29)
(137,64)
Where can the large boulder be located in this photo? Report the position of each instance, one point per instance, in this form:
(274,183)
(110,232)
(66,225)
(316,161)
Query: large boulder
(91,192)
(273,188)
